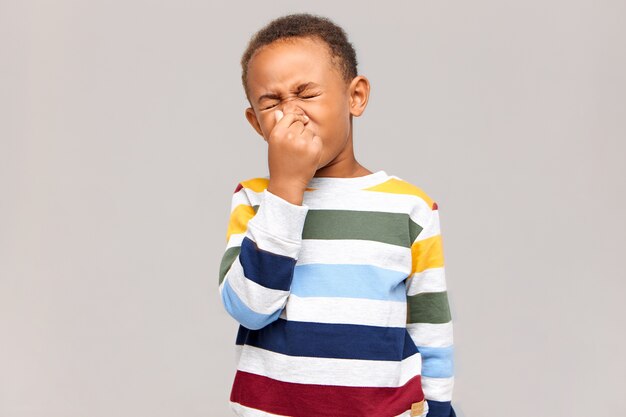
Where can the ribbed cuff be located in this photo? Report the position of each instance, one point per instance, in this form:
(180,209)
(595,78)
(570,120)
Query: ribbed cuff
(279,223)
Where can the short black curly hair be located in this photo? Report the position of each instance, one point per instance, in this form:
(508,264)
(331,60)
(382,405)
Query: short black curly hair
(304,25)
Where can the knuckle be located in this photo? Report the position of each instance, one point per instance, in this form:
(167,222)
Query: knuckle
(273,135)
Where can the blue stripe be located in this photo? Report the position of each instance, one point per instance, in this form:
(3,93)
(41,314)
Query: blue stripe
(331,340)
(440,409)
(268,269)
(437,362)
(356,281)
(242,313)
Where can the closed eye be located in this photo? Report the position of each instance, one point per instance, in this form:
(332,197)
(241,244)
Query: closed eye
(304,97)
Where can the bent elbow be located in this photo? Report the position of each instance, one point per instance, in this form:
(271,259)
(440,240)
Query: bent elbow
(247,317)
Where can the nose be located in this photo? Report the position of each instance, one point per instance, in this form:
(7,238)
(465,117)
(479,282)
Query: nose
(290,107)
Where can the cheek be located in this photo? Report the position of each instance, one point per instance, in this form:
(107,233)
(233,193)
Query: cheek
(267,123)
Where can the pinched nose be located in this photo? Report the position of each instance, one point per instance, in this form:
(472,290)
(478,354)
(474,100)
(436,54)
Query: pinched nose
(290,107)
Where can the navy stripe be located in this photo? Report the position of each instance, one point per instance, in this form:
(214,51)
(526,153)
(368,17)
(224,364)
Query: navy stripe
(268,269)
(440,409)
(331,340)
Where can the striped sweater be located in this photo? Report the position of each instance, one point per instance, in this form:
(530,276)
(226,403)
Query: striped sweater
(341,301)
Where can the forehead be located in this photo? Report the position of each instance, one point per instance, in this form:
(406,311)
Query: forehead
(287,62)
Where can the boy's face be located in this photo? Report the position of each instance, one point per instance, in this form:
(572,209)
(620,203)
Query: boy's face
(298,76)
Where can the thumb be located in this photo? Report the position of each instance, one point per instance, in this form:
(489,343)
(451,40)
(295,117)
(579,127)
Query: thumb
(278,115)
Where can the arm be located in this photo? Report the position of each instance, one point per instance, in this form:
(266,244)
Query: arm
(257,267)
(429,322)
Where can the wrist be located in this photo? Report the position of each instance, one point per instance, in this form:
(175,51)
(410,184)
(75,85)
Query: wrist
(290,192)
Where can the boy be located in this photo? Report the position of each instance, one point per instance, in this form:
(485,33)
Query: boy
(334,272)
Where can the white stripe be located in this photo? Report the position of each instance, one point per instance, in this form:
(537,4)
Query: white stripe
(254,198)
(221,287)
(347,251)
(355,251)
(243,411)
(235,240)
(238,349)
(417,208)
(345,310)
(329,371)
(432,228)
(240,198)
(438,389)
(257,297)
(431,335)
(429,280)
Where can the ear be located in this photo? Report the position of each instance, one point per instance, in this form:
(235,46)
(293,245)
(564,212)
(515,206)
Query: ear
(251,117)
(359,91)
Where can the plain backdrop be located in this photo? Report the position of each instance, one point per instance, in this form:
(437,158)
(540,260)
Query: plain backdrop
(123,136)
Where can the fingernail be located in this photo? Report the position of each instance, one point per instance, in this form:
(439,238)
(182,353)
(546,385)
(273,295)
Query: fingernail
(279,115)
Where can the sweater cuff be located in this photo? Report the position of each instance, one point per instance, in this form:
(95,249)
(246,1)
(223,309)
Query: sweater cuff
(278,224)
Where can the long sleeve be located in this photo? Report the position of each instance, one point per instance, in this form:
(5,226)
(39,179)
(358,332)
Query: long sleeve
(257,267)
(429,321)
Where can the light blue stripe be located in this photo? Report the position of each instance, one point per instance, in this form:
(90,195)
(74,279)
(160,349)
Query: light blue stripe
(344,280)
(242,313)
(437,362)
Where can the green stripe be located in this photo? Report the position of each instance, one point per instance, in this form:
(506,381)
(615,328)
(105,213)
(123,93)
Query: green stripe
(429,307)
(346,224)
(227,260)
(414,230)
(377,226)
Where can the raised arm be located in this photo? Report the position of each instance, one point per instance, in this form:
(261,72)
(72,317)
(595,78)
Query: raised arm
(261,252)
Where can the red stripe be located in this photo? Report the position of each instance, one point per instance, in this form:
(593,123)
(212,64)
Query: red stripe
(308,400)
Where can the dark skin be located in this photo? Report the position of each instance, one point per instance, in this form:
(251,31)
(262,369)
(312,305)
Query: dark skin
(303,108)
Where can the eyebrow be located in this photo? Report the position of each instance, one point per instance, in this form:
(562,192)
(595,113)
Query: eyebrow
(298,89)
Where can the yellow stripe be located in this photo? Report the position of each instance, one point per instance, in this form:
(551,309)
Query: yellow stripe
(396,186)
(256,184)
(417,409)
(427,253)
(239,219)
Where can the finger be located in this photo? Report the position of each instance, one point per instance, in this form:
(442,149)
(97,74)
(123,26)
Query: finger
(288,118)
(297,127)
(308,134)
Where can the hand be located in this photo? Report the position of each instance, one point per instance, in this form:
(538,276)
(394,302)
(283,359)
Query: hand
(294,155)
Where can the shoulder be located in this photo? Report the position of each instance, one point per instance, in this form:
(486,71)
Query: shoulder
(397,185)
(249,191)
(254,184)
(420,205)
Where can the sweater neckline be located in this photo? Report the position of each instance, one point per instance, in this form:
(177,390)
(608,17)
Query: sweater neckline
(351,182)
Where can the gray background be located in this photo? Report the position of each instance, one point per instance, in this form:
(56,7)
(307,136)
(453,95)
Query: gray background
(122,138)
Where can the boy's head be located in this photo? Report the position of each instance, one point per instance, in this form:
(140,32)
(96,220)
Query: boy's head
(304,25)
(305,64)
